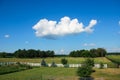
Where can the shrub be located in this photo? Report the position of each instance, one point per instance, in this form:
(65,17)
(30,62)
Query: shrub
(64,61)
(24,65)
(101,65)
(66,65)
(43,63)
(53,64)
(84,71)
(89,62)
(28,67)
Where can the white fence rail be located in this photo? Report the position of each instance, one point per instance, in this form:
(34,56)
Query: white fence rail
(58,65)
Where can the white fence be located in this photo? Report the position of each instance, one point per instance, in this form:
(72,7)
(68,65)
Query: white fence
(58,65)
(70,65)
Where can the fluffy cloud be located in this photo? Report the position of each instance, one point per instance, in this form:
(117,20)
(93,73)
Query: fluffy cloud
(89,45)
(50,29)
(119,22)
(7,36)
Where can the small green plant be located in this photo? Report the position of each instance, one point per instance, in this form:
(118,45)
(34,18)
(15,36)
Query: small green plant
(43,63)
(66,65)
(101,65)
(64,61)
(53,64)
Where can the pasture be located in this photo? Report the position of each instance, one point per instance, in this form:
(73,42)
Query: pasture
(71,60)
(46,73)
(59,73)
(114,58)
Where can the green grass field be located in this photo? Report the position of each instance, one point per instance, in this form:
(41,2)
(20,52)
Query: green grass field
(71,60)
(49,73)
(46,73)
(115,58)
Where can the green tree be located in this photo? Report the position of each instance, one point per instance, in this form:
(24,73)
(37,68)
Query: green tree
(86,53)
(101,52)
(72,54)
(86,69)
(89,62)
(3,54)
(93,52)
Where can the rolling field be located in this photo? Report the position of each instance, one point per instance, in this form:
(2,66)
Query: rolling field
(58,73)
(57,60)
(115,58)
(46,73)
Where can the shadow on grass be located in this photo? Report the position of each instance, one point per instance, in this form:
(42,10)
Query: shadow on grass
(86,78)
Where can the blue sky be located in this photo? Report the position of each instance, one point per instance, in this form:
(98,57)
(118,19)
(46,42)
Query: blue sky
(18,19)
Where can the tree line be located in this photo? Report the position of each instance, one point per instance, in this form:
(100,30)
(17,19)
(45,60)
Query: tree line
(5,55)
(113,53)
(99,52)
(31,53)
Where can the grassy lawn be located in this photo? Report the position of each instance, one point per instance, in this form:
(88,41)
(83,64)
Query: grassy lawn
(46,73)
(71,60)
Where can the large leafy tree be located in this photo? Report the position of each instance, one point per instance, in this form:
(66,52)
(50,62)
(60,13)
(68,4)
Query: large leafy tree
(77,53)
(86,53)
(101,52)
(93,52)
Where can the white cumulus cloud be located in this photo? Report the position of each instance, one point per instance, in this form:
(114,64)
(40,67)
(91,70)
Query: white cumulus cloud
(50,29)
(7,36)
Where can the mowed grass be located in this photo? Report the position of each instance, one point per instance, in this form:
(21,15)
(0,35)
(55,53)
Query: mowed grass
(57,60)
(47,73)
(107,74)
(114,57)
(41,74)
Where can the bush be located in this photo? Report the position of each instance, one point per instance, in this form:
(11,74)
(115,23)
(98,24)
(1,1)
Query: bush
(84,71)
(24,65)
(101,65)
(43,63)
(28,67)
(89,62)
(64,61)
(53,64)
(66,65)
